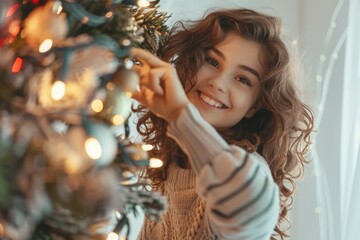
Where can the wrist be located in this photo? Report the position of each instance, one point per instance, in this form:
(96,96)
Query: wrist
(174,115)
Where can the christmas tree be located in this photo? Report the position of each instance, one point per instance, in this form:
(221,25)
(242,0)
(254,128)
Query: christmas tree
(67,167)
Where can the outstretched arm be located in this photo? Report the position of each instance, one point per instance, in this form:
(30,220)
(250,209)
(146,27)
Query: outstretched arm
(242,198)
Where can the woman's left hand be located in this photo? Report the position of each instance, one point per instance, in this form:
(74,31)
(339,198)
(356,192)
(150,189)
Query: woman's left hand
(160,88)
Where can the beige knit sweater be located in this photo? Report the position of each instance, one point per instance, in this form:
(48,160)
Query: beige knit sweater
(228,194)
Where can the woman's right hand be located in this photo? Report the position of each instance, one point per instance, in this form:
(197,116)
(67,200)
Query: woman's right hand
(160,88)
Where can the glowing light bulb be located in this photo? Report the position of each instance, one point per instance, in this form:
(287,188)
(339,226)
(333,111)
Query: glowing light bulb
(143,3)
(118,214)
(118,119)
(93,148)
(16,67)
(147,147)
(155,163)
(112,236)
(45,45)
(97,105)
(58,90)
(109,14)
(57,7)
(12,10)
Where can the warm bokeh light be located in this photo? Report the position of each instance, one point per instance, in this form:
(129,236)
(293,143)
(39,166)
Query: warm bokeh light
(16,67)
(143,3)
(112,236)
(128,94)
(97,105)
(155,163)
(58,90)
(14,28)
(118,119)
(72,165)
(12,10)
(110,86)
(57,7)
(93,148)
(109,14)
(45,45)
(147,147)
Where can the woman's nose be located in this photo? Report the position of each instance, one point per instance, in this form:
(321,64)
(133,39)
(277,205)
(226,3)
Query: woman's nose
(218,83)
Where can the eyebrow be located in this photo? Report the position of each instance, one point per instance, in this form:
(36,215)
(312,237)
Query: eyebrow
(244,67)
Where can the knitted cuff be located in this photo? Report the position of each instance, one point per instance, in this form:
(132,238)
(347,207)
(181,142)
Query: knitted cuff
(196,137)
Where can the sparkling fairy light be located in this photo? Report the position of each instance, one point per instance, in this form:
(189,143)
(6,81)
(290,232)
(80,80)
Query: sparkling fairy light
(93,148)
(58,90)
(155,163)
(45,45)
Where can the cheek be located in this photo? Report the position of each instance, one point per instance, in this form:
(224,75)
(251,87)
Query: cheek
(243,101)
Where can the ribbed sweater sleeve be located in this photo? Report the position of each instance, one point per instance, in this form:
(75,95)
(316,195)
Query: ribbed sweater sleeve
(242,198)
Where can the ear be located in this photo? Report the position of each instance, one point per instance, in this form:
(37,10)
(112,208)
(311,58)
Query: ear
(251,112)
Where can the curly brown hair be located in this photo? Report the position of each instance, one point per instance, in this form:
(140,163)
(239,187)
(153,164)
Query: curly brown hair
(280,129)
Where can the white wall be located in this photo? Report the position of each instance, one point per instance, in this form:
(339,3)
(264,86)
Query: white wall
(308,26)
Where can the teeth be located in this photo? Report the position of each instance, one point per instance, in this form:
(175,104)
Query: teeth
(210,101)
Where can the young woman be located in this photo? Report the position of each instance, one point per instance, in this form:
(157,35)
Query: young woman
(220,107)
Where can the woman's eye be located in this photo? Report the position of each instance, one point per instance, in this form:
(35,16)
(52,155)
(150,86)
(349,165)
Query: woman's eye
(212,62)
(243,80)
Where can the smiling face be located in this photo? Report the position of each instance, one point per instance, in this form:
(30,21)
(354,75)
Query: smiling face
(228,83)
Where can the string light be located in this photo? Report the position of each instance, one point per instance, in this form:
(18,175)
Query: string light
(16,67)
(118,215)
(155,163)
(57,7)
(12,10)
(97,105)
(143,3)
(45,45)
(58,90)
(117,120)
(109,14)
(112,236)
(110,86)
(128,63)
(84,20)
(14,28)
(60,8)
(93,148)
(147,147)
